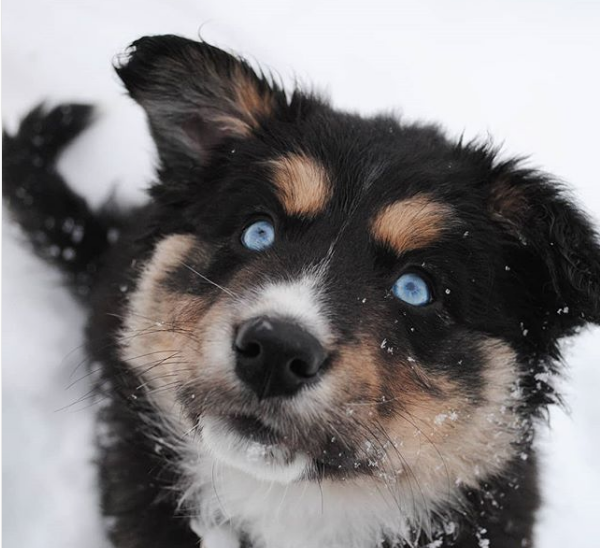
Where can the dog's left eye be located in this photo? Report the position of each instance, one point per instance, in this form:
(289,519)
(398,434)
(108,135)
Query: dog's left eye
(258,236)
(412,289)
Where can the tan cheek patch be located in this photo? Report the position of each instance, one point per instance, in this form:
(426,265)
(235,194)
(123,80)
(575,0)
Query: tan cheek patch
(160,324)
(369,399)
(423,433)
(412,223)
(443,441)
(302,184)
(359,375)
(356,377)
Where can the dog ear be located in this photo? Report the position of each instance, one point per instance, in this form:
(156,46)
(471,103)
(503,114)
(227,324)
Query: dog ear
(195,95)
(556,241)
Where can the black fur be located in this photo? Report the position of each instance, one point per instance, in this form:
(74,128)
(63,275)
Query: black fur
(59,223)
(523,264)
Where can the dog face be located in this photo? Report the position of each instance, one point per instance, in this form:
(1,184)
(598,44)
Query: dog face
(344,298)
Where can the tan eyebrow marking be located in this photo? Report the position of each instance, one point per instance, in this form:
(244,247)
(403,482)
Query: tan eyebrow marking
(412,223)
(302,184)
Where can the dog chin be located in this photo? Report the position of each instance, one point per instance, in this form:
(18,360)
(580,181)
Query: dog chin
(263,460)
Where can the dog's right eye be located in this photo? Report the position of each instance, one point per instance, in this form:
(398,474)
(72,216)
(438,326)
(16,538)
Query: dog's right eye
(258,236)
(412,289)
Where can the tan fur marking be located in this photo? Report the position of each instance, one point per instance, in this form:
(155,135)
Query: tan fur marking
(455,439)
(357,375)
(302,184)
(249,106)
(412,223)
(154,336)
(428,443)
(250,101)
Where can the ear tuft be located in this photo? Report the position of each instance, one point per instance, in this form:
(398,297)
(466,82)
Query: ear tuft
(195,95)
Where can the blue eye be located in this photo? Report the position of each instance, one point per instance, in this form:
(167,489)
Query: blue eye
(259,236)
(412,289)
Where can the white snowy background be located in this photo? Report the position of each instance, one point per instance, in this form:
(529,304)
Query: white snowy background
(526,73)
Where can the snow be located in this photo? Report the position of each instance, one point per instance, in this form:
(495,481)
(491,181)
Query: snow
(521,72)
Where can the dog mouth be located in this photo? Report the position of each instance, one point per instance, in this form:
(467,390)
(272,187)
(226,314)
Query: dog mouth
(254,429)
(245,443)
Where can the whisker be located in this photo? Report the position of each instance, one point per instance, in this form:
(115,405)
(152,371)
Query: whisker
(214,486)
(88,395)
(208,280)
(90,373)
(375,438)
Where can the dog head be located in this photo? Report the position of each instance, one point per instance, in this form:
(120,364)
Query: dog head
(332,296)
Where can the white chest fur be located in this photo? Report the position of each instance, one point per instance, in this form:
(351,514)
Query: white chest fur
(304,514)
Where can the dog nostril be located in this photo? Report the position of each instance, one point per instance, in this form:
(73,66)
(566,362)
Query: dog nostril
(276,357)
(249,350)
(300,368)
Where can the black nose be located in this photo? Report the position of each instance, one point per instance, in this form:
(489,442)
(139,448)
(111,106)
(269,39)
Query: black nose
(276,357)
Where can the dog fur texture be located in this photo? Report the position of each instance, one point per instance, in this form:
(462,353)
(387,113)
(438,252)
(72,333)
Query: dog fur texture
(417,430)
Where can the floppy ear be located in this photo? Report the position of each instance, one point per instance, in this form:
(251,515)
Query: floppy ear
(557,241)
(195,95)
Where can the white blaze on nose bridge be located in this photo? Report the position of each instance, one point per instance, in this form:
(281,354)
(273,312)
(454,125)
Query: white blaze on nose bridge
(299,300)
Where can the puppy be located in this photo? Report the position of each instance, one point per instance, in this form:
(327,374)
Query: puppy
(322,330)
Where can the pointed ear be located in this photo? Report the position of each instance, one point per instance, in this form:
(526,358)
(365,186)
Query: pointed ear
(556,237)
(195,95)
